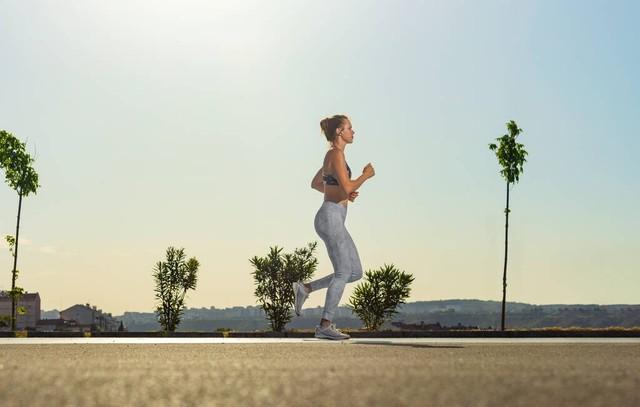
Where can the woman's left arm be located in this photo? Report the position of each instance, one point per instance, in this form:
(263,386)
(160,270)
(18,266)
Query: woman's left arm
(317,182)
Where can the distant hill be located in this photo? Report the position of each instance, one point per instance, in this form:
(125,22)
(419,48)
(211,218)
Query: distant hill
(484,314)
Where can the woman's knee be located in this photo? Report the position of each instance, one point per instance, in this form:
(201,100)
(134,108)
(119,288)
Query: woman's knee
(338,282)
(356,274)
(356,266)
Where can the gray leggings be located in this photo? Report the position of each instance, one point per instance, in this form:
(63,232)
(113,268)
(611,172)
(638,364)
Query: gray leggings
(329,224)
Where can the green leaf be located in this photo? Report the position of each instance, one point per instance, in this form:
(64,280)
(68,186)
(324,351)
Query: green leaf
(510,155)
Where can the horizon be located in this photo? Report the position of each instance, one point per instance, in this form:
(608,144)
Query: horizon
(345,305)
(196,125)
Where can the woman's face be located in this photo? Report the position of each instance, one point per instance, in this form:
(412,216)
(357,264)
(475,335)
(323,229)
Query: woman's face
(346,132)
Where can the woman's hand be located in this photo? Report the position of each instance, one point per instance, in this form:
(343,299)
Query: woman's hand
(353,196)
(368,171)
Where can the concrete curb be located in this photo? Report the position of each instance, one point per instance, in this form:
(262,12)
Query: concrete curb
(575,333)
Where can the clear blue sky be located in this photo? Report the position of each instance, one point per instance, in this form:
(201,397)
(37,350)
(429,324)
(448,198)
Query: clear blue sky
(195,124)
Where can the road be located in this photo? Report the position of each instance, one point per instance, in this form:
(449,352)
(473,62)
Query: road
(320,373)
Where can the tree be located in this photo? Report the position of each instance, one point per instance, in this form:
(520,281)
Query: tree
(21,177)
(511,157)
(173,278)
(274,275)
(375,299)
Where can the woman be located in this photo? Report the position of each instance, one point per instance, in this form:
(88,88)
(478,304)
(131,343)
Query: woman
(334,180)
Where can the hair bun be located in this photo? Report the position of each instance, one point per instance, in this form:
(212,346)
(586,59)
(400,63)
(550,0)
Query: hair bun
(323,124)
(328,125)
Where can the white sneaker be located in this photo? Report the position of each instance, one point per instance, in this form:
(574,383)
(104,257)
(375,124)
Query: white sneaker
(300,295)
(330,332)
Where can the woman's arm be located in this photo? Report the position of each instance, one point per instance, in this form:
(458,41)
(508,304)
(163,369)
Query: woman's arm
(316,182)
(339,166)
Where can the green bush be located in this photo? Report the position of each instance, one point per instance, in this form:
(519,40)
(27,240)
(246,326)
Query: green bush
(375,299)
(173,278)
(274,275)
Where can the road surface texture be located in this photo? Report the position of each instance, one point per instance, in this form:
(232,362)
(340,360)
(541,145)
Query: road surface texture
(320,373)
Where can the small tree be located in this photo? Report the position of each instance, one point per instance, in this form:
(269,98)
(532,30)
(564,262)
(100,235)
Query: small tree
(17,292)
(21,177)
(511,157)
(375,300)
(274,275)
(173,278)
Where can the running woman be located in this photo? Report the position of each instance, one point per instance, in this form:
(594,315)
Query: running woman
(334,180)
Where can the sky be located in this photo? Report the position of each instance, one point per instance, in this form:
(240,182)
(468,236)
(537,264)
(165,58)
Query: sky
(195,124)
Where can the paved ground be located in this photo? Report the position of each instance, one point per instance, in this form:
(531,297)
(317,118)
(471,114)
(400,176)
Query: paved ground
(359,373)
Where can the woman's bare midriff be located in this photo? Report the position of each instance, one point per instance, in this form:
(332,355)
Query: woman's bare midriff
(335,194)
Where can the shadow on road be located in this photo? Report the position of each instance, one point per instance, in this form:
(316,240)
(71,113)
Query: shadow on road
(413,345)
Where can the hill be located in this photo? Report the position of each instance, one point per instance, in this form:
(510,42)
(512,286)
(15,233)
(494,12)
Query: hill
(467,312)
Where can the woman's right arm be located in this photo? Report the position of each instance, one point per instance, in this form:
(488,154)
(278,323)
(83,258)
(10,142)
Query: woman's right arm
(316,182)
(339,165)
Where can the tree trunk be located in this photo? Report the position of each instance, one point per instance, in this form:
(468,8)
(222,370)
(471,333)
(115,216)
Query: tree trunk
(506,246)
(15,265)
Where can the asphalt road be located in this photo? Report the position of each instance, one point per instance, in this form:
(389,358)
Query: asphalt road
(321,373)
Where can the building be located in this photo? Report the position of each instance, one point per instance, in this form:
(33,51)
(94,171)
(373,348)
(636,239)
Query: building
(29,320)
(90,318)
(59,324)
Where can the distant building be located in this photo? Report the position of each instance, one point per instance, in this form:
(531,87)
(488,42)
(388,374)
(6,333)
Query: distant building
(52,314)
(431,327)
(57,325)
(31,303)
(90,318)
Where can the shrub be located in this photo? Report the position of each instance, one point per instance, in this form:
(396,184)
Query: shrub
(173,278)
(375,299)
(274,275)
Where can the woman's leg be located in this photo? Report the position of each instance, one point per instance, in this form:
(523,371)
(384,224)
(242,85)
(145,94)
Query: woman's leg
(354,265)
(354,260)
(320,283)
(329,224)
(326,230)
(343,255)
(347,268)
